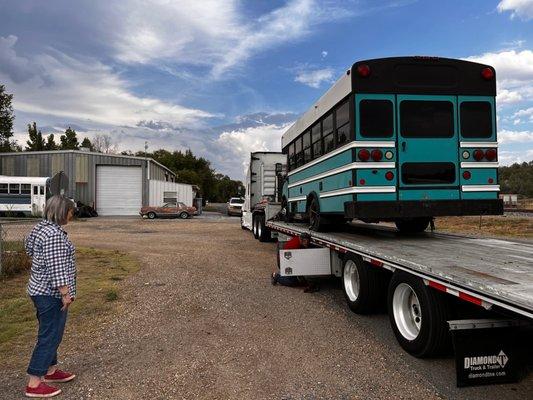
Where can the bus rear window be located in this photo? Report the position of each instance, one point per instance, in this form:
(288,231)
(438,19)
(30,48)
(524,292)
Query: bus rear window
(376,118)
(476,119)
(428,173)
(426,119)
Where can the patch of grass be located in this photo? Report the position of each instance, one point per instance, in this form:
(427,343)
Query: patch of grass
(14,259)
(98,292)
(490,226)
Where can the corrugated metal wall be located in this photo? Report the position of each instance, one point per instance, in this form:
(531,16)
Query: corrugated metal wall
(157,188)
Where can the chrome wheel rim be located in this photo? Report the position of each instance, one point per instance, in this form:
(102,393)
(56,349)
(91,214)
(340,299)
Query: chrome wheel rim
(313,213)
(351,280)
(259,228)
(254,227)
(407,311)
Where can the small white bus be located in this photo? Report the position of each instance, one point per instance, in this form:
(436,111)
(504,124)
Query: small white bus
(23,195)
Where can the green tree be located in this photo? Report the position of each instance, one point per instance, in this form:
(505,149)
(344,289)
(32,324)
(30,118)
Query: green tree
(517,179)
(51,143)
(36,142)
(6,121)
(69,141)
(87,144)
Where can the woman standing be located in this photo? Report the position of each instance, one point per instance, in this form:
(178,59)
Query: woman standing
(52,288)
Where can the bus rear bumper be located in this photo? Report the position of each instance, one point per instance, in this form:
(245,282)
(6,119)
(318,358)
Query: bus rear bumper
(389,210)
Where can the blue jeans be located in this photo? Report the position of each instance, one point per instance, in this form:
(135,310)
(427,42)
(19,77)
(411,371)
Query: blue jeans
(51,327)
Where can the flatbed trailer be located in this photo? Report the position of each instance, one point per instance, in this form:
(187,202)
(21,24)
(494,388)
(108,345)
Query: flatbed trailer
(431,274)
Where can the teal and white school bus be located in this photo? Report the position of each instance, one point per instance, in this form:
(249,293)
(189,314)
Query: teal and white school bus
(397,139)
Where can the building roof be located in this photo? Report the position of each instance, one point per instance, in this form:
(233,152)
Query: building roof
(23,153)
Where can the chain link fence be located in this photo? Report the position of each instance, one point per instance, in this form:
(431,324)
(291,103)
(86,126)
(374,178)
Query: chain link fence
(13,257)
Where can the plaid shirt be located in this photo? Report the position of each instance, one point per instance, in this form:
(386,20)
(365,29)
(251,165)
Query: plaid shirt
(53,260)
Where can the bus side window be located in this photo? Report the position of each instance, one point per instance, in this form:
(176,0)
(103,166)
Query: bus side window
(14,188)
(343,123)
(316,139)
(298,151)
(3,188)
(35,190)
(307,146)
(327,129)
(42,190)
(25,188)
(291,157)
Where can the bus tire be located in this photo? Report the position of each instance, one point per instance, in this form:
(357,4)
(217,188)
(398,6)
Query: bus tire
(316,223)
(151,215)
(412,225)
(418,316)
(362,285)
(285,212)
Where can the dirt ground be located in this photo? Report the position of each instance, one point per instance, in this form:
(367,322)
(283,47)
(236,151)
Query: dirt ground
(200,320)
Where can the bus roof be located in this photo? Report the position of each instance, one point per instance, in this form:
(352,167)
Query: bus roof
(400,75)
(36,180)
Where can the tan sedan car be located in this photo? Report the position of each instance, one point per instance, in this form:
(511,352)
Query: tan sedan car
(168,210)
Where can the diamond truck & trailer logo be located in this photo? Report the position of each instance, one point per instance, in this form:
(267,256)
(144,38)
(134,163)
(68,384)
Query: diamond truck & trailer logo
(480,363)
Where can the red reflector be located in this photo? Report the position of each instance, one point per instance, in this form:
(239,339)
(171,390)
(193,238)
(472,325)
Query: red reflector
(467,175)
(363,70)
(364,155)
(376,155)
(478,155)
(362,181)
(469,298)
(376,263)
(437,286)
(491,154)
(389,176)
(487,73)
(491,180)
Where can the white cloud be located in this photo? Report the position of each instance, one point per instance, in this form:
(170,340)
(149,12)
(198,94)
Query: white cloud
(314,78)
(324,54)
(55,84)
(519,8)
(527,113)
(509,96)
(238,144)
(506,137)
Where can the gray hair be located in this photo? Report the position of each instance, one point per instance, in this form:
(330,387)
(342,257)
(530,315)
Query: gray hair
(57,208)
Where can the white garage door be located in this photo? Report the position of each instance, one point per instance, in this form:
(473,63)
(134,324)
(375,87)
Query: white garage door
(118,190)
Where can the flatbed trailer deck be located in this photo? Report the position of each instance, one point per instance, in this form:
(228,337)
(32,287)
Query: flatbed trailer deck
(492,271)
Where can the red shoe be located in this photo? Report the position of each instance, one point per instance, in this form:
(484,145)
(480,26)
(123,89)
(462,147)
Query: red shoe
(42,391)
(59,376)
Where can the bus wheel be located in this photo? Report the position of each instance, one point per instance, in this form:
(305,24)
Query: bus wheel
(285,213)
(412,225)
(313,211)
(362,285)
(418,316)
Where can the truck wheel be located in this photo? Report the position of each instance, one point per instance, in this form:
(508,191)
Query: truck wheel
(254,226)
(413,225)
(362,284)
(151,215)
(263,232)
(418,316)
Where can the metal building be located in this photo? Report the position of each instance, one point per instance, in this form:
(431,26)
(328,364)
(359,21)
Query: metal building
(112,184)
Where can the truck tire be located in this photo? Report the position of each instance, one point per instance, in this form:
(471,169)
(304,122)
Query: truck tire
(254,226)
(412,225)
(418,316)
(263,232)
(362,284)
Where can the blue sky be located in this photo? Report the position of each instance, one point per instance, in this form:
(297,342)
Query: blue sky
(228,77)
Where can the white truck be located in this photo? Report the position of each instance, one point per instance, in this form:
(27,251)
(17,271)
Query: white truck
(263,184)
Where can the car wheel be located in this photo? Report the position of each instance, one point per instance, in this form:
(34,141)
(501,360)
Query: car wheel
(184,215)
(151,215)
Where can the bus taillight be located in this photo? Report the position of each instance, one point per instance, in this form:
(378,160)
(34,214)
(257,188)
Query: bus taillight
(364,155)
(376,155)
(491,154)
(363,70)
(487,73)
(389,176)
(478,155)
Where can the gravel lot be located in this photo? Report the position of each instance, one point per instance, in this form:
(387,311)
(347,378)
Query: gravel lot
(201,320)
